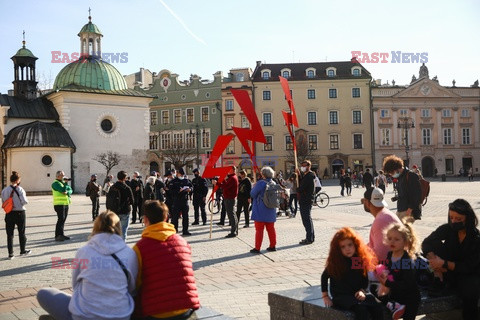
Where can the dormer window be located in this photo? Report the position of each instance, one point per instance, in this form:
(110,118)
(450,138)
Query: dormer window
(311,73)
(266,74)
(286,73)
(331,72)
(240,77)
(356,72)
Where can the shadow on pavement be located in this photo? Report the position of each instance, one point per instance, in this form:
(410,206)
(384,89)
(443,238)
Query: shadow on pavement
(26,269)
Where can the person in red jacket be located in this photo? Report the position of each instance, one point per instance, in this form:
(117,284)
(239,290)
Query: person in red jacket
(165,282)
(230,191)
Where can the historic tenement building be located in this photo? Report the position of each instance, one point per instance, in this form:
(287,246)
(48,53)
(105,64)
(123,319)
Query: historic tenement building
(332,101)
(427,124)
(185,120)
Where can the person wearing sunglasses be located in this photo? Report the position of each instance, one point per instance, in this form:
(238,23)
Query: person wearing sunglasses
(453,252)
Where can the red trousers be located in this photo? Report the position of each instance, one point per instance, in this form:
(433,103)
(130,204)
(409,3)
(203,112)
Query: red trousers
(272,236)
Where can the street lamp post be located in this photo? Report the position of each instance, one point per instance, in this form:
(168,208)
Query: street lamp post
(197,140)
(406,123)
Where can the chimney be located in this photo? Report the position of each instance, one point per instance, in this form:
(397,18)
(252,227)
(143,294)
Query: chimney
(259,63)
(378,82)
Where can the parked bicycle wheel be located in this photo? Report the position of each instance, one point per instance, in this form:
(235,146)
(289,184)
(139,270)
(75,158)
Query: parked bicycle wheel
(322,200)
(214,206)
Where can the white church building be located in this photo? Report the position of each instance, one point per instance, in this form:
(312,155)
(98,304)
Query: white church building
(89,111)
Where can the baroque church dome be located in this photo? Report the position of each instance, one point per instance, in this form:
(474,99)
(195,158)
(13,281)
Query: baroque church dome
(90,72)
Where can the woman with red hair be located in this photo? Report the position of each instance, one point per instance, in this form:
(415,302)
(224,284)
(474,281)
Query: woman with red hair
(347,265)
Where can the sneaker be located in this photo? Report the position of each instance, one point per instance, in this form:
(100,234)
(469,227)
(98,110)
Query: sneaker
(246,226)
(271,249)
(397,309)
(59,238)
(186,233)
(220,223)
(65,237)
(195,223)
(26,252)
(231,235)
(204,223)
(11,256)
(255,251)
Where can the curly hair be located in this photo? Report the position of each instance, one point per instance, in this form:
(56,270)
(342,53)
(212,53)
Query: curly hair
(336,265)
(408,235)
(392,163)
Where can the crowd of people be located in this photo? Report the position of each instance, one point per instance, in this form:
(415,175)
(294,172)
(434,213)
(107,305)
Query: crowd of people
(155,279)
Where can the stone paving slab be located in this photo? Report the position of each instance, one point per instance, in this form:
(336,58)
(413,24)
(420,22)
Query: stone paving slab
(230,279)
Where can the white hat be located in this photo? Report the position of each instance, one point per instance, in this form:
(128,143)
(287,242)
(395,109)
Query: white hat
(377,198)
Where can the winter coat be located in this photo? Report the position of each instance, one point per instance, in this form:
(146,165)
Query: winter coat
(260,212)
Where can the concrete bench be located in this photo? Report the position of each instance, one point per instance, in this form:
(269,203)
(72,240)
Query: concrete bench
(307,303)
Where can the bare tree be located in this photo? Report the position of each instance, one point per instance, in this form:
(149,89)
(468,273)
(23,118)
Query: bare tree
(304,151)
(45,82)
(179,154)
(108,159)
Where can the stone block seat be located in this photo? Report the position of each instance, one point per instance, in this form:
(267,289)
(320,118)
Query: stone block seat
(307,303)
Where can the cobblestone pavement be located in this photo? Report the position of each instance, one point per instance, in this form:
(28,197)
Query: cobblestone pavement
(229,278)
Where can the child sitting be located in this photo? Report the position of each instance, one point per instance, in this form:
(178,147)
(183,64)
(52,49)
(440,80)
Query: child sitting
(165,284)
(401,293)
(347,265)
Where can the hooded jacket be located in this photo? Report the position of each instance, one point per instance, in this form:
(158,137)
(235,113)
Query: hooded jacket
(100,287)
(166,285)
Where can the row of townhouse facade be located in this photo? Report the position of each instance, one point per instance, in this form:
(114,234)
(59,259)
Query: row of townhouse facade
(346,119)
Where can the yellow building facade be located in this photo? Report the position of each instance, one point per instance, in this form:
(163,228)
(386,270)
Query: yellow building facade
(332,102)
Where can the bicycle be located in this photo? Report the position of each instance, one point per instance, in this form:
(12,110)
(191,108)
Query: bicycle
(322,199)
(215,204)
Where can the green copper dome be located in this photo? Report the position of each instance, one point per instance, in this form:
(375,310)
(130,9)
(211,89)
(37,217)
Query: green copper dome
(90,28)
(24,52)
(90,73)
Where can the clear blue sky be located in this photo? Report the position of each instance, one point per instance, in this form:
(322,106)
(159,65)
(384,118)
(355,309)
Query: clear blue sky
(203,37)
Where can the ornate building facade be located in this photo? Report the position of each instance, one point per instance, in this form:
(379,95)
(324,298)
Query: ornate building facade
(433,126)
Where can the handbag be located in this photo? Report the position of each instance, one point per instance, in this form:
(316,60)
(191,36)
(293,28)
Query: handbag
(7,205)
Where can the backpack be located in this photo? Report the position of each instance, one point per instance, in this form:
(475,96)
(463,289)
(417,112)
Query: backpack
(7,205)
(274,195)
(114,200)
(424,187)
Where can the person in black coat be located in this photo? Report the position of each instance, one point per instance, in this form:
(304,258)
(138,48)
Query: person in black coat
(243,197)
(453,252)
(180,187)
(200,191)
(367,181)
(159,187)
(306,194)
(408,188)
(136,185)
(149,191)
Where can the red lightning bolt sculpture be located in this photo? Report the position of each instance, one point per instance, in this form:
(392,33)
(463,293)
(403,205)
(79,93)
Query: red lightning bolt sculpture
(255,132)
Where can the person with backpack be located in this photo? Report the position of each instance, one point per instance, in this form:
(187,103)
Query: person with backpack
(120,200)
(408,187)
(381,181)
(93,191)
(306,195)
(263,215)
(16,215)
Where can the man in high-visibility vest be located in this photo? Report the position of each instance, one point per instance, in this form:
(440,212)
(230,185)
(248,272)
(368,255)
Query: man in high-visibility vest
(61,199)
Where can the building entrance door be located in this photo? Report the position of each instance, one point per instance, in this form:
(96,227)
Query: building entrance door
(427,167)
(466,164)
(337,165)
